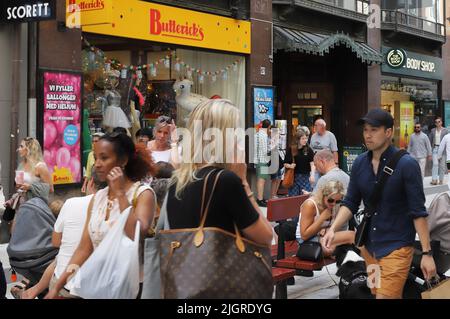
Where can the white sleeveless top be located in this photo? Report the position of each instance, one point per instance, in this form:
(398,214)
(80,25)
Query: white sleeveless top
(324,225)
(98,226)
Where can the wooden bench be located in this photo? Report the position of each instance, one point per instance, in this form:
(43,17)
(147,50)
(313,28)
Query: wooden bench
(279,210)
(290,248)
(281,274)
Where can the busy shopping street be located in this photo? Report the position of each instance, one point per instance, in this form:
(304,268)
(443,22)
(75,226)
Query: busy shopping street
(252,150)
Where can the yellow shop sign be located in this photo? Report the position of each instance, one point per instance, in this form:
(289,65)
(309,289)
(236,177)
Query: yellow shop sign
(153,22)
(88,12)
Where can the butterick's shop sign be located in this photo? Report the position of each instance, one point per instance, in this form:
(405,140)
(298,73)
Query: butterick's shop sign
(15,11)
(62,126)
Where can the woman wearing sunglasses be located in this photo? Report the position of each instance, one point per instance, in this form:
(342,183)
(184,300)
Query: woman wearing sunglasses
(164,146)
(317,214)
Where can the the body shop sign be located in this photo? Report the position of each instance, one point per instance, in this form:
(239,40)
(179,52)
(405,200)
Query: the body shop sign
(62,128)
(399,61)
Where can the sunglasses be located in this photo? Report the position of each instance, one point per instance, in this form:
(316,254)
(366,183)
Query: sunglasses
(334,201)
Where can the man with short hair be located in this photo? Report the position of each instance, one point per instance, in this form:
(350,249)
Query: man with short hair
(324,163)
(262,159)
(400,212)
(420,148)
(324,140)
(436,136)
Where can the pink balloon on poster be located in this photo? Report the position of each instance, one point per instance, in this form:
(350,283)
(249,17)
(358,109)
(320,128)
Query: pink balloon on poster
(50,133)
(74,166)
(63,157)
(49,159)
(61,126)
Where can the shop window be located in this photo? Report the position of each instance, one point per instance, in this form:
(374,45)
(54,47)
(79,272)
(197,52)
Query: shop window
(422,94)
(111,80)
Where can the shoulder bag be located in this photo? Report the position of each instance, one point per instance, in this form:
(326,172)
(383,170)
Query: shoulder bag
(289,175)
(362,229)
(211,263)
(310,250)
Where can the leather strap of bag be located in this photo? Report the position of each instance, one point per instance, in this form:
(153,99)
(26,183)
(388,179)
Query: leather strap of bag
(199,236)
(205,184)
(206,209)
(388,170)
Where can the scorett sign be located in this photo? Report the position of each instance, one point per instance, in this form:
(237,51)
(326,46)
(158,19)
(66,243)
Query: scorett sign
(402,62)
(16,11)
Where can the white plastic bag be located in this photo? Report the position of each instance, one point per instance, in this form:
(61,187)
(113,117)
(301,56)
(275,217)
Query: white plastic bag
(112,271)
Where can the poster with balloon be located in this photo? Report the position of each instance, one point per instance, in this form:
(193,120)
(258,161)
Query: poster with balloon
(62,126)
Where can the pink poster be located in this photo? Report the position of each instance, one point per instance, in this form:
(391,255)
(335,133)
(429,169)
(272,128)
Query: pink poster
(62,128)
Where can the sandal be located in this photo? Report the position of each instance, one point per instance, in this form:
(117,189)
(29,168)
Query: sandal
(17,290)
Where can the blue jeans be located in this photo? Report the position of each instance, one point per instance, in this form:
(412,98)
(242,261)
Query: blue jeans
(439,166)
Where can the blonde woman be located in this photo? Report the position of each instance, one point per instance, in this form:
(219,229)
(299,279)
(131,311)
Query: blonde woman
(164,146)
(36,176)
(316,216)
(233,201)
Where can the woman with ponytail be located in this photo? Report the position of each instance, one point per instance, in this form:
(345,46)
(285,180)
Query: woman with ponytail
(122,165)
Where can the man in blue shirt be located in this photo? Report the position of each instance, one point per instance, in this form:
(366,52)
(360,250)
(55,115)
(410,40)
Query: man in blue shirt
(400,213)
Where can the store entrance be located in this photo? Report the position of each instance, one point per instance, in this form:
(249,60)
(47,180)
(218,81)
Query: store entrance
(305,115)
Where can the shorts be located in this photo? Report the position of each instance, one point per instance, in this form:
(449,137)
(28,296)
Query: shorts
(394,271)
(278,175)
(262,171)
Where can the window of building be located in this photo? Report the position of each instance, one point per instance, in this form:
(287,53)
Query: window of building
(424,95)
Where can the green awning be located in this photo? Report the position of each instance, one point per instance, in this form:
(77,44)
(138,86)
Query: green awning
(319,44)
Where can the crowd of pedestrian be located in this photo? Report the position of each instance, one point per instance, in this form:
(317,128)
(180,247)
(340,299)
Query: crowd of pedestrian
(148,175)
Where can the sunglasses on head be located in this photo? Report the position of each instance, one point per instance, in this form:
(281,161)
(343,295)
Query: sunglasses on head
(334,201)
(165,119)
(115,134)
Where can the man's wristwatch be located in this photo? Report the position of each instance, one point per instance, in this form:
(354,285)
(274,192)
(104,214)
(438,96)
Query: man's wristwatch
(427,253)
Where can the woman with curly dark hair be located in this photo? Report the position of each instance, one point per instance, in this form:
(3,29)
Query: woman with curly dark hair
(122,165)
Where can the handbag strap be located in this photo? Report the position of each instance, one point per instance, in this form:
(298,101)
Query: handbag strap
(200,236)
(388,170)
(205,210)
(205,184)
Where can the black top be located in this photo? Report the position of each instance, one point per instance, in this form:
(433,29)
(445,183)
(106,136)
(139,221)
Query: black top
(303,160)
(229,203)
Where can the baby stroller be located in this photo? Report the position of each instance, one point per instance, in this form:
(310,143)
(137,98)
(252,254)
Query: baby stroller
(30,248)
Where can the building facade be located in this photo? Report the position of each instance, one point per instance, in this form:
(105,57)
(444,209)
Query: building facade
(331,58)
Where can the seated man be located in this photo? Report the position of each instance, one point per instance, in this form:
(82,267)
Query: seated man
(325,165)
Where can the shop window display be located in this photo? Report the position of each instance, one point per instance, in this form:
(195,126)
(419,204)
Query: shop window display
(423,94)
(170,83)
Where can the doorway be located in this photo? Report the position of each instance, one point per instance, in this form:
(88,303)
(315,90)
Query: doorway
(305,115)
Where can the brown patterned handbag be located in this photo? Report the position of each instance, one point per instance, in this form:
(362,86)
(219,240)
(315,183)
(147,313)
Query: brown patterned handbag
(211,263)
